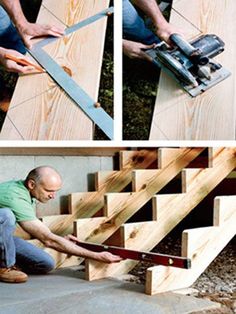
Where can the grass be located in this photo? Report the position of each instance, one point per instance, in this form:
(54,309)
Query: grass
(140,81)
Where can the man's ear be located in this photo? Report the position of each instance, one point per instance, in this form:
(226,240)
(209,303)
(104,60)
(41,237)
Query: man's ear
(31,184)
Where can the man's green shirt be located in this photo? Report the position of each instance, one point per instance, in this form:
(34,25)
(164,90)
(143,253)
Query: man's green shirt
(14,195)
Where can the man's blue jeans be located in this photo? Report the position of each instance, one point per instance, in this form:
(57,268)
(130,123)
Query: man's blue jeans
(16,251)
(9,37)
(134,27)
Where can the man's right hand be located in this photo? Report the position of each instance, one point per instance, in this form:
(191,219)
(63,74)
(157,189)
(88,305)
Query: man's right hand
(135,50)
(107,257)
(12,66)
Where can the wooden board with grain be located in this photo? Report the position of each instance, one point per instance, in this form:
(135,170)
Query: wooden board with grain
(39,109)
(119,207)
(87,204)
(212,115)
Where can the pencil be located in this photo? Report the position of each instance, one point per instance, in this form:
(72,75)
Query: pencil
(22,61)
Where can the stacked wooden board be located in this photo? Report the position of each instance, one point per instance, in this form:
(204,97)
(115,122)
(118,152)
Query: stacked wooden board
(211,116)
(39,109)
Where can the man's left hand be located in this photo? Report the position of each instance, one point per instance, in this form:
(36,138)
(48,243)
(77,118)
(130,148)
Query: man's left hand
(29,31)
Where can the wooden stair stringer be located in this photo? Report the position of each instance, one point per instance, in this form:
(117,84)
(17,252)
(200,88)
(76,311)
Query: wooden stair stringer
(169,210)
(167,158)
(201,245)
(121,206)
(87,204)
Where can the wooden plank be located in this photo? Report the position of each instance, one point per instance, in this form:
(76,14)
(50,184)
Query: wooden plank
(114,203)
(224,158)
(112,181)
(50,112)
(168,211)
(189,177)
(131,231)
(46,120)
(20,233)
(176,115)
(202,245)
(82,202)
(221,212)
(140,178)
(166,156)
(83,226)
(178,157)
(138,159)
(60,151)
(213,153)
(59,224)
(78,10)
(102,176)
(161,203)
(10,130)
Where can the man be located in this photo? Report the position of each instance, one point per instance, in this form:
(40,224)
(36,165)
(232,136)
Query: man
(17,200)
(14,37)
(137,37)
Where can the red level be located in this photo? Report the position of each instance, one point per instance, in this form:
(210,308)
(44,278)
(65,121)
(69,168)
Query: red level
(161,259)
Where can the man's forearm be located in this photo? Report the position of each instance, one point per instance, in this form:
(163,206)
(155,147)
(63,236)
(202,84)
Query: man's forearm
(151,9)
(65,246)
(14,10)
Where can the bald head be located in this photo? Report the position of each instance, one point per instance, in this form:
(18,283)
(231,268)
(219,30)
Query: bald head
(43,173)
(43,183)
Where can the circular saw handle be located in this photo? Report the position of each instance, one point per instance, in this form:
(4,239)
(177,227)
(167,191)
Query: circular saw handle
(184,45)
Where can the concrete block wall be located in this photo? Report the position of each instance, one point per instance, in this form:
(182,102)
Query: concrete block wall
(76,171)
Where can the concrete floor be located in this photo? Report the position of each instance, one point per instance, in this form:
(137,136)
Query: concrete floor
(65,291)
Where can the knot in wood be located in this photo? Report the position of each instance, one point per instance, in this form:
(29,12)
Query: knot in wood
(133,234)
(138,159)
(67,70)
